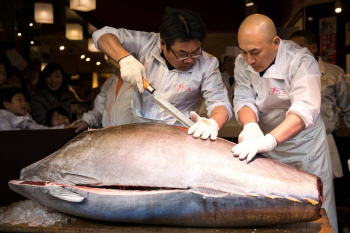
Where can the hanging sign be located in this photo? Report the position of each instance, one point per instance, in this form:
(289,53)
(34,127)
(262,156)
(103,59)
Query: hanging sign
(328,39)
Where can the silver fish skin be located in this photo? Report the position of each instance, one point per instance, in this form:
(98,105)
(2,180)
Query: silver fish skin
(157,174)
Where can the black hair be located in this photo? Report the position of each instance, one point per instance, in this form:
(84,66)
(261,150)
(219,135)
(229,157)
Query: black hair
(7,94)
(181,24)
(309,36)
(49,69)
(60,110)
(4,60)
(13,70)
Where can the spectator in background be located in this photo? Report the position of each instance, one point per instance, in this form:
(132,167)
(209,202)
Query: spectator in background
(15,78)
(13,112)
(334,93)
(51,91)
(57,116)
(112,104)
(4,64)
(229,64)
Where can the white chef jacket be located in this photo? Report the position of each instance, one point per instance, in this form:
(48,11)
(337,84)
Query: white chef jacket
(185,90)
(109,109)
(226,80)
(10,121)
(284,87)
(291,84)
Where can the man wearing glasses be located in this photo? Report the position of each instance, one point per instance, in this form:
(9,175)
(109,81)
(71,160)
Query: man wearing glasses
(173,62)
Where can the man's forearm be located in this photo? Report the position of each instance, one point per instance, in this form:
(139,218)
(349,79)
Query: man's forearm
(289,128)
(110,45)
(246,115)
(220,115)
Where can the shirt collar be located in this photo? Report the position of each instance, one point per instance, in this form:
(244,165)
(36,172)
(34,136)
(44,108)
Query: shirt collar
(321,65)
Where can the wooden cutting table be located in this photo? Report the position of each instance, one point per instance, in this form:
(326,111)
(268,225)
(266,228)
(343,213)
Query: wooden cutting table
(87,226)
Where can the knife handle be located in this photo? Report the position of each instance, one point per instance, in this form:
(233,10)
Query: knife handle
(148,86)
(145,83)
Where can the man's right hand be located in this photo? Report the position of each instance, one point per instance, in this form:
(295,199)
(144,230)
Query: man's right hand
(80,126)
(250,130)
(132,71)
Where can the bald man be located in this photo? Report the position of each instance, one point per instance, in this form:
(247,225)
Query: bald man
(277,100)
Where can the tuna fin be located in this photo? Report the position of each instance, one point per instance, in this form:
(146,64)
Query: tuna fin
(293,199)
(273,196)
(64,194)
(311,201)
(79,179)
(252,195)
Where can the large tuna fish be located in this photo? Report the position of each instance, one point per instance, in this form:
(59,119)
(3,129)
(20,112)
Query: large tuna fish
(157,174)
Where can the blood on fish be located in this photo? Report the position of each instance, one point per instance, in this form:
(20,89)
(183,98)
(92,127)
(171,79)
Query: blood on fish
(38,183)
(181,128)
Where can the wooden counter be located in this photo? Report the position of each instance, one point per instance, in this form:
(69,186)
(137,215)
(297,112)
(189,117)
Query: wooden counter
(86,226)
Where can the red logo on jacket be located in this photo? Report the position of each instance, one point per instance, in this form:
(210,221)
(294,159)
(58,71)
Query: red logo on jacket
(182,87)
(277,91)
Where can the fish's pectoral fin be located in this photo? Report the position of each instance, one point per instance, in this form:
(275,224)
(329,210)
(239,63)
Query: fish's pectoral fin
(64,194)
(79,179)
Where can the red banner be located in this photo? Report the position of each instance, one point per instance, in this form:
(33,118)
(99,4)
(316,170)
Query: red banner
(328,39)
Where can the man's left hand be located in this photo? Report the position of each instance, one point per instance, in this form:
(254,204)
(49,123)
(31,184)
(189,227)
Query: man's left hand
(249,148)
(203,126)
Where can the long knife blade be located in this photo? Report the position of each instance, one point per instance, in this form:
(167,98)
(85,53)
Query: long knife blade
(163,103)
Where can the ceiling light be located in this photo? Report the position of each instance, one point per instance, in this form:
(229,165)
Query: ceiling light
(43,13)
(337,6)
(82,5)
(310,18)
(249,4)
(74,31)
(87,59)
(82,56)
(31,24)
(19,34)
(32,42)
(98,63)
(62,47)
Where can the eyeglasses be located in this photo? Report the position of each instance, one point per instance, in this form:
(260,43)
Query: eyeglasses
(184,58)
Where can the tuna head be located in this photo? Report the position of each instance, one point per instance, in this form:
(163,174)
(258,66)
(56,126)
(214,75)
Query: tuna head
(155,173)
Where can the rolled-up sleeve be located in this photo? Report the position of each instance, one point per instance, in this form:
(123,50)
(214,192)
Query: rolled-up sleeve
(244,95)
(214,90)
(132,41)
(305,91)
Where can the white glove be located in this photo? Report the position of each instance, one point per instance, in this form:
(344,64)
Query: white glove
(253,146)
(250,130)
(132,71)
(203,126)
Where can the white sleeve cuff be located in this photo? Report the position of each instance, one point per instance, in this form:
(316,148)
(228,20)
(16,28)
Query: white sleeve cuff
(97,34)
(308,118)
